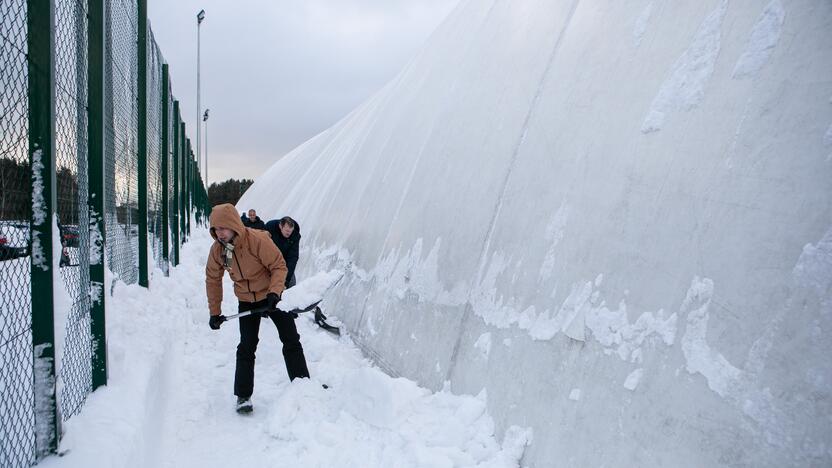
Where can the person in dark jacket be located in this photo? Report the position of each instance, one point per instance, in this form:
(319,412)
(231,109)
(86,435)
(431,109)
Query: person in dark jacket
(285,234)
(252,220)
(64,253)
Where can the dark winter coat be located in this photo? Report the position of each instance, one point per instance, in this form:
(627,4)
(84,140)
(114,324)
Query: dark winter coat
(257,267)
(255,223)
(290,247)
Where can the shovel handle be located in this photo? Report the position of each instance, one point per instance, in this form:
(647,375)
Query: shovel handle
(266,309)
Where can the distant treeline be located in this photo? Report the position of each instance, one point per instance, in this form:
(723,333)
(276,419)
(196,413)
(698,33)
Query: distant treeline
(16,192)
(228,191)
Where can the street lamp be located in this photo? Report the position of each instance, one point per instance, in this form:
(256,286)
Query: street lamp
(199,18)
(205,119)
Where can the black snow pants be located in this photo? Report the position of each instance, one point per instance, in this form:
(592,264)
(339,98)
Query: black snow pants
(249,331)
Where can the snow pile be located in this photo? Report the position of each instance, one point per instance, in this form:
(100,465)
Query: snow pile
(169,399)
(680,152)
(309,291)
(369,419)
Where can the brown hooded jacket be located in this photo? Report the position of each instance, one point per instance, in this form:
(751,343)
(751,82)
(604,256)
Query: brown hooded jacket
(257,266)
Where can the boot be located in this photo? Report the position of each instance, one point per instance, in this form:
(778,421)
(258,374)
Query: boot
(244,405)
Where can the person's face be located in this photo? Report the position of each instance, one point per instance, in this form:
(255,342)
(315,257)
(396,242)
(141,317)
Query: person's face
(286,230)
(252,214)
(224,234)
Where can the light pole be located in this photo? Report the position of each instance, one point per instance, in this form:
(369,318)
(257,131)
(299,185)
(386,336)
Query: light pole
(199,17)
(205,119)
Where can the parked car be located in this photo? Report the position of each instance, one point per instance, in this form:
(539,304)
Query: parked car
(69,235)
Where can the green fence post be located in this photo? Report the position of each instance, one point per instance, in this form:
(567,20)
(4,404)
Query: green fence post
(176,210)
(190,199)
(95,180)
(198,197)
(41,71)
(192,164)
(186,176)
(165,153)
(142,137)
(183,184)
(197,185)
(194,172)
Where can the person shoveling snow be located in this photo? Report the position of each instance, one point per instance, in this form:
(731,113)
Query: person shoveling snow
(259,273)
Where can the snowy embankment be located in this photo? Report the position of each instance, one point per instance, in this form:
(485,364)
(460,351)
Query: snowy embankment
(169,399)
(614,217)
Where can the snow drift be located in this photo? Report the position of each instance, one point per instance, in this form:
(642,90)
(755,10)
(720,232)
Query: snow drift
(614,217)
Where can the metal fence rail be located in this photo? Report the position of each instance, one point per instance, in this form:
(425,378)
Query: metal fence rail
(95,169)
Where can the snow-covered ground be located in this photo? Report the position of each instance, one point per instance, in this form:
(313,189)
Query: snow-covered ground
(169,400)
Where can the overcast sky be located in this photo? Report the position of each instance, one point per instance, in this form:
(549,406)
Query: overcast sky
(276,73)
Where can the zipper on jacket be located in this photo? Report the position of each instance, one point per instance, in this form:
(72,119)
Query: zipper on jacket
(242,276)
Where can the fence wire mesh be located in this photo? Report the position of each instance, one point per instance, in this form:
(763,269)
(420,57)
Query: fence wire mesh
(121,139)
(72,317)
(74,350)
(169,154)
(154,152)
(17,418)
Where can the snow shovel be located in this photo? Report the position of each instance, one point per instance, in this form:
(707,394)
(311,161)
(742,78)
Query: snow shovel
(320,319)
(266,309)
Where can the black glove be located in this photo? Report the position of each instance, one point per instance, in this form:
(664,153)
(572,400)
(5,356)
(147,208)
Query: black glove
(215,321)
(272,300)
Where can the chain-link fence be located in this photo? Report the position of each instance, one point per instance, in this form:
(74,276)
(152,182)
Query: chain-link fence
(155,182)
(121,127)
(72,319)
(75,131)
(17,417)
